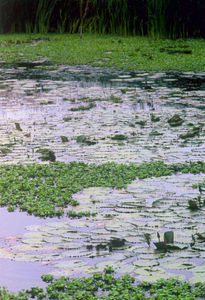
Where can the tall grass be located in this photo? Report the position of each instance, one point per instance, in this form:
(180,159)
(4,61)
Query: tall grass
(44,11)
(157,18)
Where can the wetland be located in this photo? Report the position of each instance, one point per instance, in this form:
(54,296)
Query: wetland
(97,165)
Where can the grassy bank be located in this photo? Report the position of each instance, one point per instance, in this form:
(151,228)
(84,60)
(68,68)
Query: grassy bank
(139,53)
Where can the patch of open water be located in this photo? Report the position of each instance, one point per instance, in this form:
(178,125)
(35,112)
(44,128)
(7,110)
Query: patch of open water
(45,101)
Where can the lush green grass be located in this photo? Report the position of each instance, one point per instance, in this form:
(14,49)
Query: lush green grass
(45,190)
(139,53)
(105,286)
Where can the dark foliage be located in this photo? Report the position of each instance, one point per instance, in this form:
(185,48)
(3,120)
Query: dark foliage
(161,18)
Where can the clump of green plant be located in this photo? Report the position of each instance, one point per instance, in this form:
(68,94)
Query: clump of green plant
(155,133)
(46,189)
(175,121)
(194,132)
(106,286)
(47,154)
(174,50)
(154,118)
(46,103)
(115,99)
(82,107)
(67,119)
(200,186)
(142,123)
(5,150)
(72,100)
(85,140)
(73,214)
(18,127)
(119,137)
(64,139)
(195,204)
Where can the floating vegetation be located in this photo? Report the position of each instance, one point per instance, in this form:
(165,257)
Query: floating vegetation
(155,133)
(5,150)
(47,155)
(42,189)
(73,214)
(46,103)
(200,236)
(194,132)
(147,237)
(129,210)
(64,139)
(85,140)
(116,242)
(115,99)
(18,127)
(194,204)
(154,118)
(174,50)
(119,137)
(175,121)
(67,119)
(82,107)
(168,243)
(106,286)
(142,123)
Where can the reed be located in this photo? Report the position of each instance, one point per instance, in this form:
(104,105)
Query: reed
(156,18)
(44,12)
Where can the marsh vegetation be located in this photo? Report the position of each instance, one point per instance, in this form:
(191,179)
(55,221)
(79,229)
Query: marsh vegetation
(102,164)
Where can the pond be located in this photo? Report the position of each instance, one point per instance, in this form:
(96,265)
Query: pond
(98,115)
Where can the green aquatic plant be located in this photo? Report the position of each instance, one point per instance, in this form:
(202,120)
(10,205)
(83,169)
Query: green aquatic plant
(175,121)
(142,123)
(47,154)
(67,119)
(115,99)
(154,118)
(194,204)
(82,107)
(73,214)
(45,190)
(5,150)
(85,140)
(18,127)
(64,139)
(155,133)
(190,134)
(55,46)
(106,286)
(46,103)
(119,137)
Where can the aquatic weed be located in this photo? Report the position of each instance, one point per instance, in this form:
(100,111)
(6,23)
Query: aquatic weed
(106,286)
(45,190)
